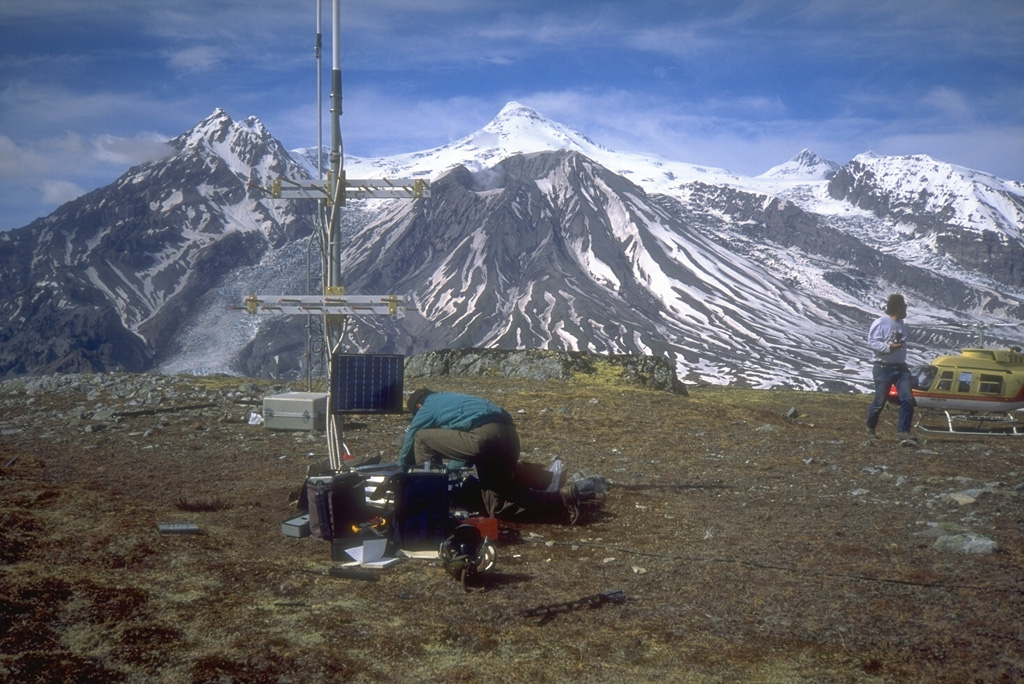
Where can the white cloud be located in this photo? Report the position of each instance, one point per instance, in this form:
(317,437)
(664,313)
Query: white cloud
(949,103)
(196,59)
(140,148)
(56,192)
(15,161)
(384,123)
(41,175)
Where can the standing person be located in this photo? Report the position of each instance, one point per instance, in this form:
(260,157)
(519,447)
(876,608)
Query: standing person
(887,339)
(473,430)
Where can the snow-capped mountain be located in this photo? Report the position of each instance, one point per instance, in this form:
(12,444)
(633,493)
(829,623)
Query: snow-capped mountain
(944,208)
(552,250)
(105,280)
(535,236)
(923,191)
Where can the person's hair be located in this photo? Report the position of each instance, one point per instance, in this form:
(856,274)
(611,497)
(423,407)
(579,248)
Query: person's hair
(895,304)
(416,398)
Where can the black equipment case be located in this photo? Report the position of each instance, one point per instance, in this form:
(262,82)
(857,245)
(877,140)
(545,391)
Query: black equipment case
(335,504)
(422,516)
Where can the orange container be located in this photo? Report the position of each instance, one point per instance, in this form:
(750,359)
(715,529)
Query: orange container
(488,526)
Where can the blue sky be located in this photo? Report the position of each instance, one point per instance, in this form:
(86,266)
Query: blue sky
(89,88)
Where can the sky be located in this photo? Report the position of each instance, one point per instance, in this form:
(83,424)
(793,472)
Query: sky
(90,88)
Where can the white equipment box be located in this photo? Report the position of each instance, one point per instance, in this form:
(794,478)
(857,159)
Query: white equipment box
(296,527)
(296,411)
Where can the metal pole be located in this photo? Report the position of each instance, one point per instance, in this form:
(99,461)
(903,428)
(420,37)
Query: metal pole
(333,330)
(318,222)
(336,156)
(319,94)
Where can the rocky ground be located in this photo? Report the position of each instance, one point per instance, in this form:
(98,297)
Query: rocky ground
(749,536)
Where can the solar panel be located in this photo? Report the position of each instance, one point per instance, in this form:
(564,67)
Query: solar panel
(366,383)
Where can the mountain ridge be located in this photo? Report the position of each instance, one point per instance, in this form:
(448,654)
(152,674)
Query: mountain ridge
(762,282)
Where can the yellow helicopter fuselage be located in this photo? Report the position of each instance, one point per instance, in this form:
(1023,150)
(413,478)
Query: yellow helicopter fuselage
(975,380)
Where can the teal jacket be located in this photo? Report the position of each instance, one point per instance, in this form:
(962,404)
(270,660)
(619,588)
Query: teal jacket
(450,411)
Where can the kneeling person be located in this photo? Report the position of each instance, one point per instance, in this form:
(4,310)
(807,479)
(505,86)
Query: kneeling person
(447,425)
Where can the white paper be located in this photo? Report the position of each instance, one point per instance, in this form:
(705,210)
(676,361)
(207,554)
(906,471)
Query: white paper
(371,554)
(425,555)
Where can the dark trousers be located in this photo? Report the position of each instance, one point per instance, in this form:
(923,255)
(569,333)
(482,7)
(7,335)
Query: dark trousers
(885,376)
(493,449)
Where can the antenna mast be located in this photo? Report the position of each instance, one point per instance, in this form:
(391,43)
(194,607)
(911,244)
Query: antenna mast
(333,304)
(318,221)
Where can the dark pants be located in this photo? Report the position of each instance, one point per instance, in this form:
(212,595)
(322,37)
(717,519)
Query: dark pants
(493,449)
(885,376)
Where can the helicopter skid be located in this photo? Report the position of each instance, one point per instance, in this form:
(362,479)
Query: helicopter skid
(970,423)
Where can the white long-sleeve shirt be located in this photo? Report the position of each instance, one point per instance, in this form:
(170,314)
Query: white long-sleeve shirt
(882,334)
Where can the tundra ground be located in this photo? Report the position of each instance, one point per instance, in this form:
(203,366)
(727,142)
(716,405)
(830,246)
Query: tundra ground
(748,536)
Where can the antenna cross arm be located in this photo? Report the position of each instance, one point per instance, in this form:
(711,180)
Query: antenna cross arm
(416,188)
(371,188)
(347,305)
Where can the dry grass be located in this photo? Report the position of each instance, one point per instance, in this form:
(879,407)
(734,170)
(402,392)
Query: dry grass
(733,533)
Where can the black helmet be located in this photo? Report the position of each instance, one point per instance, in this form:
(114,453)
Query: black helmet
(466,553)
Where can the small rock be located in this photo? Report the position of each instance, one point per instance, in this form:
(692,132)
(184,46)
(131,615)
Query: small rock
(961,498)
(965,543)
(941,529)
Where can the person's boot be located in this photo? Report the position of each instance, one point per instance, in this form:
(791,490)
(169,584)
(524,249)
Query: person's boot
(571,498)
(580,490)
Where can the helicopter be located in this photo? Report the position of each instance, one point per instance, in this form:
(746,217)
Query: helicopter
(978,391)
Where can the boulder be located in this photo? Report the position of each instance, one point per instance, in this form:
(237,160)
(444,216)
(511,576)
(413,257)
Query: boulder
(653,372)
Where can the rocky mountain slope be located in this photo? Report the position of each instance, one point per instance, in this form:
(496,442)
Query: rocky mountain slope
(947,208)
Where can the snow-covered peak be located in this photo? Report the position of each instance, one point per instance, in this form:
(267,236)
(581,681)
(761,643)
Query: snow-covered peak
(247,147)
(219,128)
(518,129)
(522,130)
(211,129)
(805,166)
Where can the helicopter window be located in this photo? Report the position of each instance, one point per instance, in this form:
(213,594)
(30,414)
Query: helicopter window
(965,382)
(990,384)
(945,381)
(923,376)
